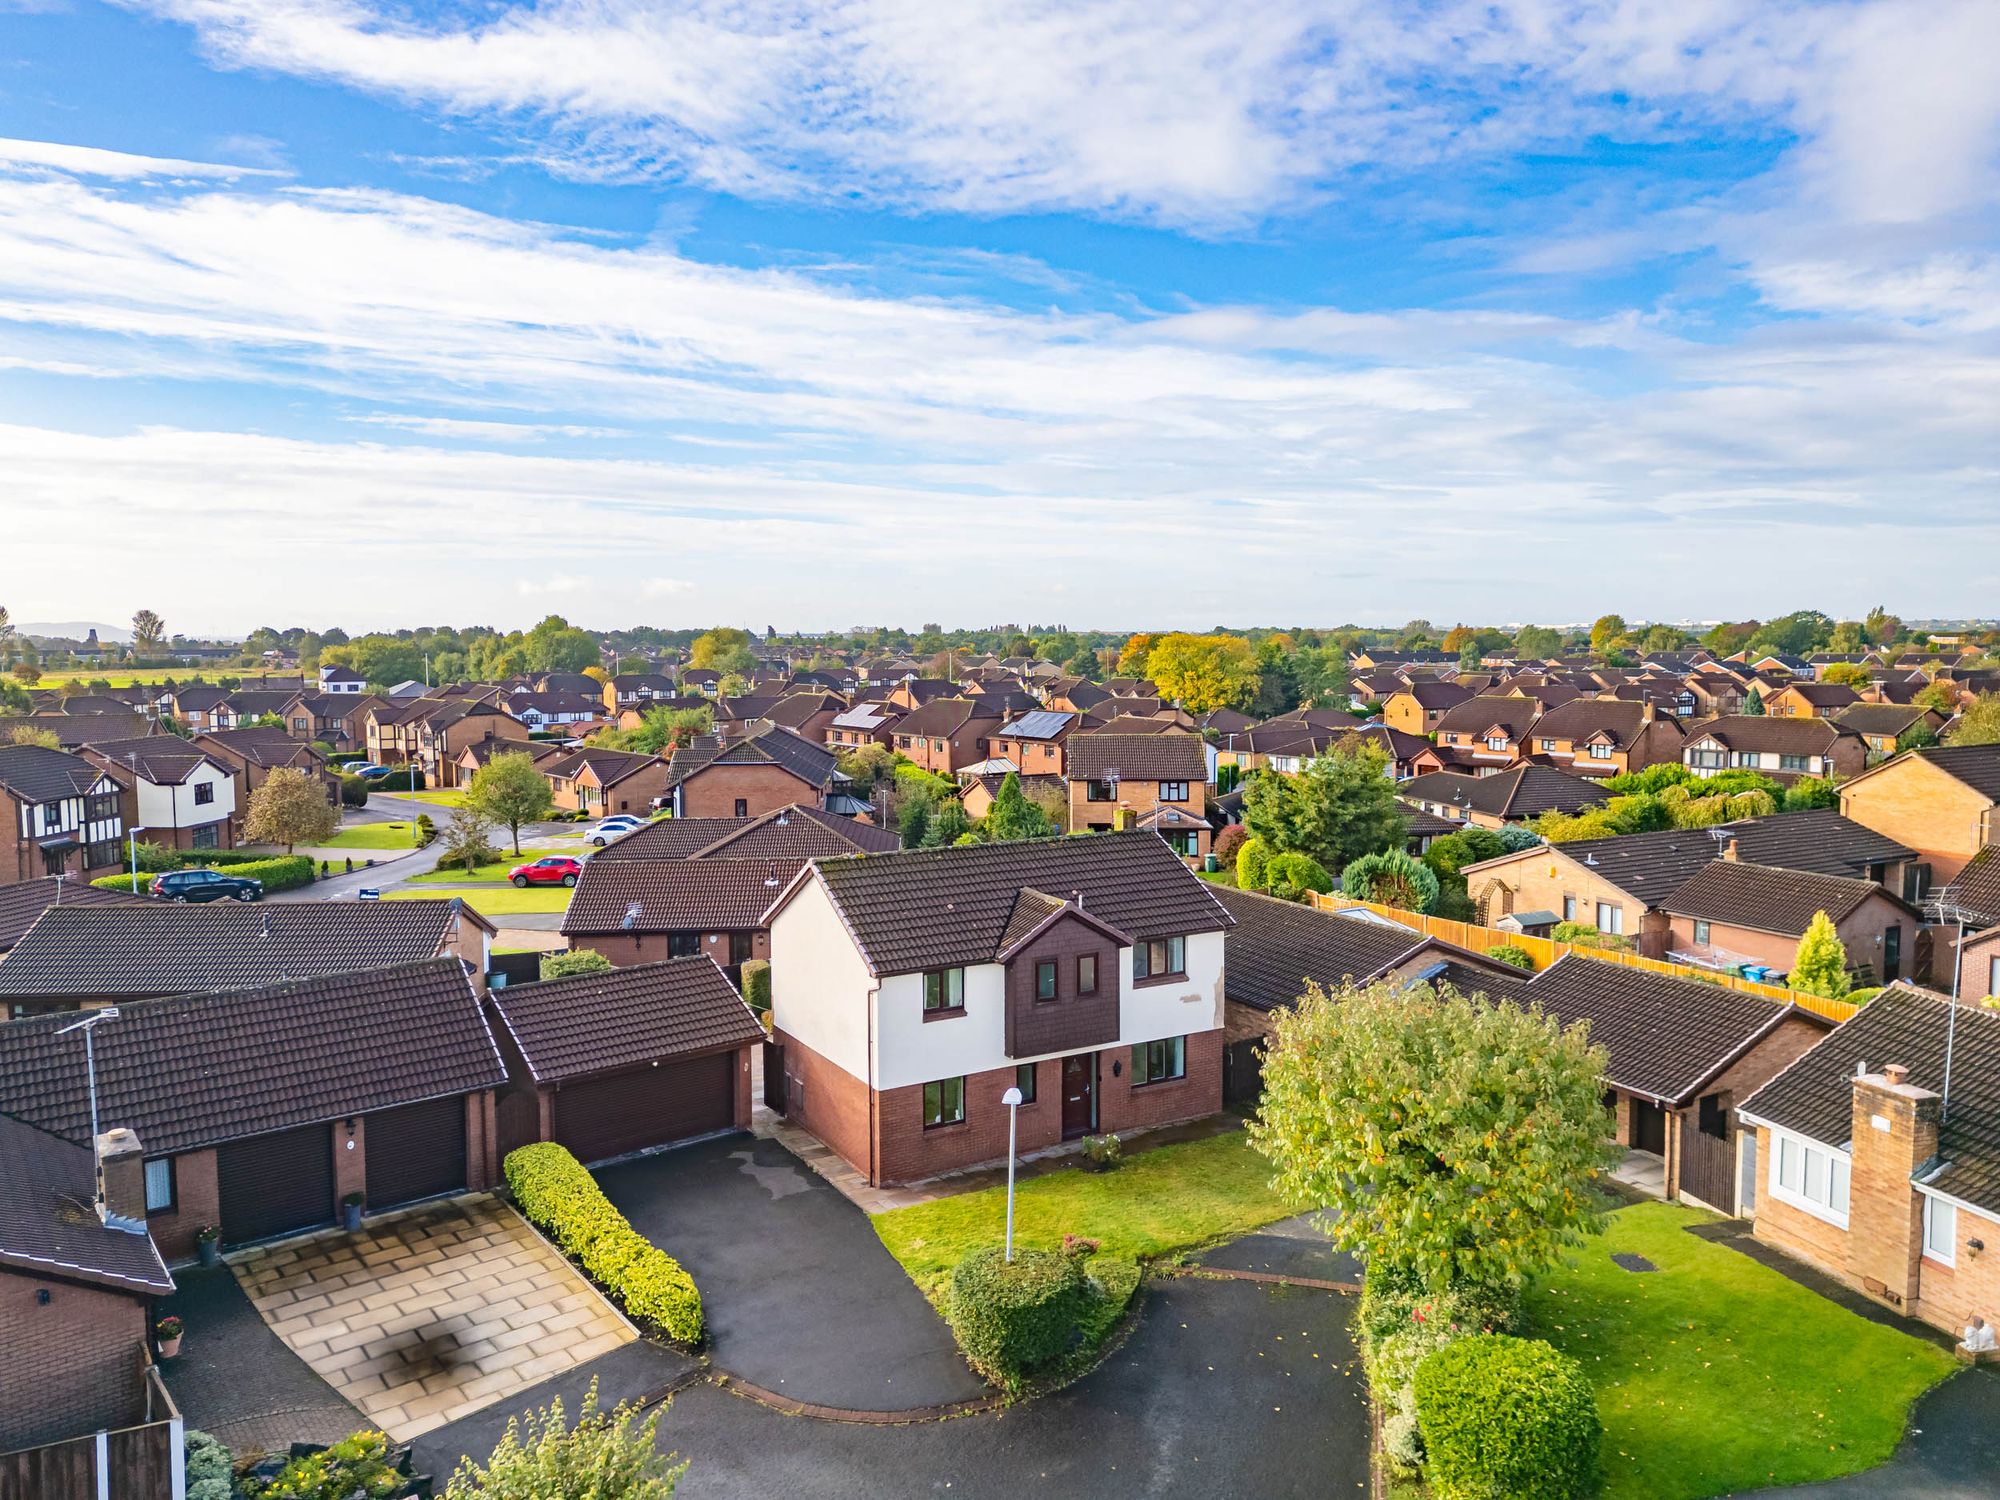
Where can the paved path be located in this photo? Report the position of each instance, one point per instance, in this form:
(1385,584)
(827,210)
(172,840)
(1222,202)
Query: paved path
(802,1298)
(1291,1247)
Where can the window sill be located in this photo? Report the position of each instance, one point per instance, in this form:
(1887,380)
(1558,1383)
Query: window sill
(1158,1083)
(950,1014)
(944,1125)
(1158,979)
(1933,1263)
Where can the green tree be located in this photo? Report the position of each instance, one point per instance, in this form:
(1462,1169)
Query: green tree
(1290,876)
(1536,642)
(1820,967)
(468,840)
(724,650)
(1391,878)
(1449,855)
(1979,723)
(1810,792)
(1449,1139)
(1341,806)
(1753,703)
(291,807)
(1881,627)
(1851,674)
(947,825)
(1203,672)
(1012,816)
(613,1457)
(555,645)
(1939,697)
(30,734)
(148,632)
(510,791)
(573,961)
(913,821)
(1608,634)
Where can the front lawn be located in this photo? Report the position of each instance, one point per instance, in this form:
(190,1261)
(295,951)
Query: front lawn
(494,901)
(449,797)
(372,836)
(1715,1374)
(495,873)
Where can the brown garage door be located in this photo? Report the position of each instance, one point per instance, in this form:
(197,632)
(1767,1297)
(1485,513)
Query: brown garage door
(415,1152)
(647,1106)
(275,1184)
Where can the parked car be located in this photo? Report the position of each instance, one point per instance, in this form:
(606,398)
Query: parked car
(206,885)
(613,828)
(554,869)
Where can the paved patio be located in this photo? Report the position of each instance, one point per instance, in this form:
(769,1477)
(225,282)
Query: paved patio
(427,1315)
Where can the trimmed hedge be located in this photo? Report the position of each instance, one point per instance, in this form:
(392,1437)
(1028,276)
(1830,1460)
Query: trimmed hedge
(1507,1419)
(1013,1318)
(283,873)
(564,1201)
(1402,1323)
(757,984)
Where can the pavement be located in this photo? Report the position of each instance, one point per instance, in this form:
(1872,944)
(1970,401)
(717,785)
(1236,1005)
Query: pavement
(801,1296)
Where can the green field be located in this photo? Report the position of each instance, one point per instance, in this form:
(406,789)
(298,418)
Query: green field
(133,676)
(496,901)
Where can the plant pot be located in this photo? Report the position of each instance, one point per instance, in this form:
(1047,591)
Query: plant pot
(350,1216)
(210,1252)
(170,1348)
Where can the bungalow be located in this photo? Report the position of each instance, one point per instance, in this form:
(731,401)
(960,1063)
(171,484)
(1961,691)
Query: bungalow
(1494,801)
(1117,779)
(1782,749)
(477,756)
(54,805)
(912,991)
(1943,802)
(597,781)
(1732,913)
(1856,1167)
(1051,793)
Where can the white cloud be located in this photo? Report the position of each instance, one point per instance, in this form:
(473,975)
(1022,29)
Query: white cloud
(93,161)
(481,431)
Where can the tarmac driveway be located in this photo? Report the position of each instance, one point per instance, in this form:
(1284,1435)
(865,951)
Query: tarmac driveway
(801,1297)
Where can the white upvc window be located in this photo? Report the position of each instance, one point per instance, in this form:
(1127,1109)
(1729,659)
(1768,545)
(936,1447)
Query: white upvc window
(1809,1177)
(1940,1229)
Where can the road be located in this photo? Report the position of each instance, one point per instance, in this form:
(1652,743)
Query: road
(383,808)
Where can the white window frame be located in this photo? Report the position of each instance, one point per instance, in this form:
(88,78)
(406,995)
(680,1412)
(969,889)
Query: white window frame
(1835,1168)
(1936,1208)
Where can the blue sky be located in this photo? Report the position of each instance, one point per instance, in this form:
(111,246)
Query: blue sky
(1124,314)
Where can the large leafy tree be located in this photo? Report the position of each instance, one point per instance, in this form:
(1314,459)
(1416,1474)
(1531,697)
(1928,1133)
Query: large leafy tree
(1449,1139)
(1979,724)
(1204,672)
(1608,634)
(1340,807)
(1012,816)
(290,808)
(148,631)
(1537,641)
(723,650)
(1820,966)
(510,791)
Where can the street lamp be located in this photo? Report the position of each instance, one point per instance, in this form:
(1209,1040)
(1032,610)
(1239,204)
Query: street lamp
(1012,1099)
(88,1026)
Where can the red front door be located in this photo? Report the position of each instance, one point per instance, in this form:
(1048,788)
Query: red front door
(1079,1094)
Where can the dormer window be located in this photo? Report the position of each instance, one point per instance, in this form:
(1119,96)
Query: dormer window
(1600,752)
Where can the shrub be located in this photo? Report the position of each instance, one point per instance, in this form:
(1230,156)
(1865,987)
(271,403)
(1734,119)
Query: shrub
(1251,860)
(1012,1318)
(1401,1324)
(208,1465)
(1585,936)
(1391,878)
(1506,1417)
(356,1465)
(1229,843)
(1103,1150)
(1290,876)
(561,1198)
(573,961)
(142,882)
(404,779)
(353,791)
(607,1457)
(1514,957)
(757,985)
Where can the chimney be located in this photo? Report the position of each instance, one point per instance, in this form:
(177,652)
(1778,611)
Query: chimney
(1731,851)
(121,1181)
(1894,1138)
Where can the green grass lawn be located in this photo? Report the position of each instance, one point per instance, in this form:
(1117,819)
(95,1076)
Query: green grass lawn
(496,901)
(495,873)
(449,797)
(1716,1374)
(372,836)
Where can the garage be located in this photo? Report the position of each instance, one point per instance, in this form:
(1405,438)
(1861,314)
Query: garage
(415,1152)
(275,1184)
(649,1106)
(628,1059)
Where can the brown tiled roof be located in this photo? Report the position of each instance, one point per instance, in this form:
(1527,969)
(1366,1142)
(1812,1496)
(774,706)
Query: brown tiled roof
(1769,732)
(609,767)
(1581,718)
(1665,1036)
(47,1224)
(941,718)
(675,895)
(162,759)
(775,746)
(1523,792)
(1976,766)
(195,1070)
(795,833)
(1137,757)
(1031,909)
(1423,824)
(1276,946)
(935,908)
(598,1023)
(163,948)
(22,902)
(72,730)
(1882,718)
(1437,694)
(1476,715)
(1976,888)
(1814,1097)
(35,773)
(1765,898)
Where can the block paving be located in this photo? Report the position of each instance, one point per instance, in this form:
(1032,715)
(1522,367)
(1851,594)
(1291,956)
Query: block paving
(431,1313)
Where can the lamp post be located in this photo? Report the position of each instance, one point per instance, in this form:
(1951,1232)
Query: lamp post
(88,1026)
(1012,1099)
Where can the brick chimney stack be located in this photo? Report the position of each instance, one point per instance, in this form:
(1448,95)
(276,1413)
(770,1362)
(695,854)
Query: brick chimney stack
(1895,1135)
(121,1181)
(1732,851)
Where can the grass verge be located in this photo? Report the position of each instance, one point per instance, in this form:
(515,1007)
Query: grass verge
(496,872)
(373,836)
(500,901)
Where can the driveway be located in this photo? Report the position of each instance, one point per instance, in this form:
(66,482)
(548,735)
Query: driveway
(1291,1247)
(431,1313)
(802,1298)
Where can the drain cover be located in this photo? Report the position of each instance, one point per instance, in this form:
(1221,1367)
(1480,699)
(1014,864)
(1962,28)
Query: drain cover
(1630,1262)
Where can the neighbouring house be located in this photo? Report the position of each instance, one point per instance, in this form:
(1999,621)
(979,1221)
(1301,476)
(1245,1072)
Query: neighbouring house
(78,1276)
(1124,780)
(1943,802)
(1619,885)
(1480,735)
(1032,743)
(79,955)
(431,733)
(748,777)
(1811,700)
(173,792)
(74,731)
(253,754)
(554,710)
(1856,1167)
(637,690)
(1881,725)
(597,781)
(1418,707)
(337,720)
(1731,913)
(910,991)
(611,1063)
(342,681)
(1503,797)
(23,902)
(977,791)
(1605,737)
(946,734)
(864,724)
(1782,749)
(261,1108)
(198,705)
(59,812)
(477,756)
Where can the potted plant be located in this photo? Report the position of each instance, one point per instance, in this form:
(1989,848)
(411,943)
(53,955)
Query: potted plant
(350,1211)
(168,1331)
(208,1244)
(1101,1152)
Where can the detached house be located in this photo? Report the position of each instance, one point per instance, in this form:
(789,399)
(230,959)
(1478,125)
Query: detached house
(1480,735)
(910,991)
(1141,780)
(58,813)
(1731,913)
(1811,700)
(599,781)
(745,778)
(1032,743)
(1881,725)
(1783,749)
(947,735)
(1942,802)
(1604,737)
(174,792)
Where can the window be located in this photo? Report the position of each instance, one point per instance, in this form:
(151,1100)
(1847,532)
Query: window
(1940,1229)
(944,1103)
(1496,742)
(1708,760)
(1810,1177)
(1159,958)
(1610,917)
(1099,791)
(944,989)
(1158,1062)
(1024,1080)
(208,836)
(1892,952)
(204,793)
(300,726)
(160,1186)
(1173,791)
(1086,974)
(1569,908)
(1045,979)
(1545,745)
(683,945)
(104,852)
(1993,976)
(1600,752)
(1701,930)
(742,807)
(742,947)
(102,808)
(1794,762)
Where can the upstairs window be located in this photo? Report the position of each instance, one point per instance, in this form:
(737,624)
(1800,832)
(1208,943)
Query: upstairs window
(1086,974)
(1173,791)
(204,793)
(1600,752)
(1099,791)
(944,989)
(1159,958)
(1045,979)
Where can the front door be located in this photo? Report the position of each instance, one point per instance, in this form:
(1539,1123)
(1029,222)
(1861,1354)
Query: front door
(1079,1094)
(1649,1127)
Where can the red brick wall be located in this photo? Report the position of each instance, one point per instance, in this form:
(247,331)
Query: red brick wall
(197,1201)
(482,1142)
(712,793)
(72,1366)
(1122,1107)
(828,1101)
(627,948)
(909,1152)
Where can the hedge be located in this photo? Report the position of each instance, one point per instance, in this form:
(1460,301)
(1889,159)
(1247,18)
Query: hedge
(565,1202)
(757,984)
(404,779)
(1507,1419)
(283,873)
(1402,1323)
(1011,1318)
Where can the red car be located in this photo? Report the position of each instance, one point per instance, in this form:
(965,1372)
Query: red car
(556,869)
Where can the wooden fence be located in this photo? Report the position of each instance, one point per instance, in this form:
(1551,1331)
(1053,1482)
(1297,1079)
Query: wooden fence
(142,1462)
(1545,951)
